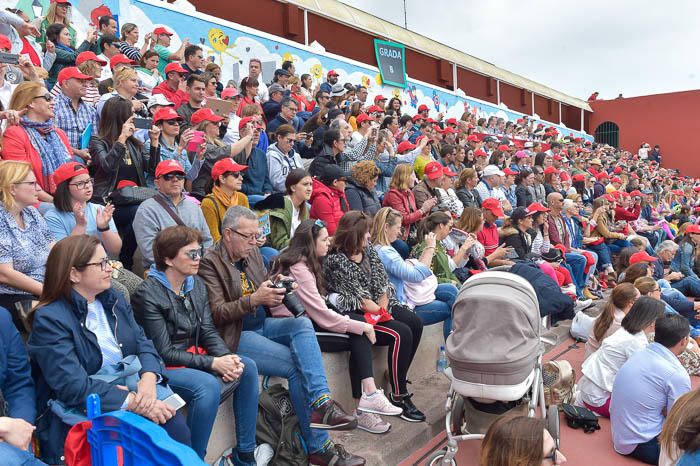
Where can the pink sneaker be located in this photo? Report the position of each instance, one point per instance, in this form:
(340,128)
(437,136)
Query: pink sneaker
(378,404)
(372,423)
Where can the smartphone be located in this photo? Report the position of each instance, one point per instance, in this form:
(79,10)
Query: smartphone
(174,401)
(143,123)
(9,58)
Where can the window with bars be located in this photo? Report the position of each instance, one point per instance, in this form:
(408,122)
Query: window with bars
(608,133)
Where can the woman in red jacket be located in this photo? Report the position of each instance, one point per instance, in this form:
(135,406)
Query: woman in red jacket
(36,139)
(400,197)
(328,201)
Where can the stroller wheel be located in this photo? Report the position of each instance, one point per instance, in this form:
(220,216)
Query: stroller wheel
(436,459)
(552,423)
(457,416)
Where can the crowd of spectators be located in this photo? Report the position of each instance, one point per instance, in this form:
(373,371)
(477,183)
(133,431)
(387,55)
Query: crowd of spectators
(112,149)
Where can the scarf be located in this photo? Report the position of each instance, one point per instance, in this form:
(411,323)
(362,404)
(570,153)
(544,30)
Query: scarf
(65,47)
(49,146)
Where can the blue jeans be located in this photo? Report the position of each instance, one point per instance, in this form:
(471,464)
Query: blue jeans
(439,310)
(618,245)
(689,286)
(603,253)
(648,452)
(577,267)
(13,456)
(288,348)
(201,390)
(268,255)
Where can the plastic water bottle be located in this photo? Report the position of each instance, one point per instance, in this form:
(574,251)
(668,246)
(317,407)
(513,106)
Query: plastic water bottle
(441,360)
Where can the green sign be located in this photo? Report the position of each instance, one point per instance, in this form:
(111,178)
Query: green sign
(391,61)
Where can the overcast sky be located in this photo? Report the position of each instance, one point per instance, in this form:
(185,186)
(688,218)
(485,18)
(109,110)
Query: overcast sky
(612,46)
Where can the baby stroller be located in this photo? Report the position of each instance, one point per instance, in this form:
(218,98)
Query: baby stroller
(495,356)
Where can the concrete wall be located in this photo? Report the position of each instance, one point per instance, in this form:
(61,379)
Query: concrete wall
(670,120)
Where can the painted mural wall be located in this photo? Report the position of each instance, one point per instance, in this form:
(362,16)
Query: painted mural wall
(232,46)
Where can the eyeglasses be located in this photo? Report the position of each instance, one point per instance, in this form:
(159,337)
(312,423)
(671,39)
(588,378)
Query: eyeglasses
(233,174)
(252,238)
(34,183)
(46,97)
(552,456)
(324,97)
(173,176)
(104,263)
(293,109)
(195,254)
(83,184)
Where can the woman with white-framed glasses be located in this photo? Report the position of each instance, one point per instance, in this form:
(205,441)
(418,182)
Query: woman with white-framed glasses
(519,440)
(25,240)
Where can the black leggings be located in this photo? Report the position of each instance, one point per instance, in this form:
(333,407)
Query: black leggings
(402,335)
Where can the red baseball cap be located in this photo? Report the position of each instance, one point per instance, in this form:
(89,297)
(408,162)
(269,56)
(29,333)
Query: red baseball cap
(473,138)
(579,177)
(537,207)
(423,108)
(125,183)
(65,2)
(417,117)
(174,66)
(451,121)
(433,170)
(165,113)
(420,138)
(375,109)
(332,73)
(161,30)
(617,170)
(168,166)
(695,229)
(68,171)
(85,56)
(509,172)
(642,256)
(5,43)
(557,157)
(503,147)
(71,72)
(480,153)
(243,122)
(549,170)
(430,120)
(447,172)
(226,165)
(450,130)
(405,146)
(636,192)
(362,117)
(615,179)
(494,206)
(205,114)
(120,58)
(230,92)
(601,176)
(379,98)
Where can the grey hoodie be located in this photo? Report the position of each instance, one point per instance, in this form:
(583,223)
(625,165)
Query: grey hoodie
(279,165)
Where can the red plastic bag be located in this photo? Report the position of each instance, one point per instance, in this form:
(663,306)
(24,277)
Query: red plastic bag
(374,319)
(76,448)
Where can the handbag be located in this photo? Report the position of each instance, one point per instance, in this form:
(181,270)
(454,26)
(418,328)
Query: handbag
(419,293)
(131,195)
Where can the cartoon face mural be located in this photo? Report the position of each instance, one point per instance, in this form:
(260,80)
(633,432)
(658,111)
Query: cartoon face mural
(219,42)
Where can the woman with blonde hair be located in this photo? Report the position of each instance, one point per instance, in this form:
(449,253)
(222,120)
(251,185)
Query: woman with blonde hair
(25,239)
(126,86)
(521,441)
(58,12)
(400,197)
(404,276)
(36,140)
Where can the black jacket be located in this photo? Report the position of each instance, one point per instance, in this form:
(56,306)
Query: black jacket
(520,241)
(173,327)
(106,161)
(326,157)
(362,199)
(469,198)
(523,196)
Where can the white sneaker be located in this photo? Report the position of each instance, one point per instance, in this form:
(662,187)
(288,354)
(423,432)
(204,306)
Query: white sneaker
(372,423)
(378,404)
(582,304)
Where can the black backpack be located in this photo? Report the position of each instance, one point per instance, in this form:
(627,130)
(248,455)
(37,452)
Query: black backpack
(278,426)
(578,416)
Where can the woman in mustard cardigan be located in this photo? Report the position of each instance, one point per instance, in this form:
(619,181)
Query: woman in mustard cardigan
(228,180)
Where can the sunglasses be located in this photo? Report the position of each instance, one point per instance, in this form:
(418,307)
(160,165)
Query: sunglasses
(172,122)
(173,176)
(46,97)
(194,254)
(233,174)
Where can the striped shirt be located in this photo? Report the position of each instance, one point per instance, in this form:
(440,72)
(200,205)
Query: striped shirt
(71,122)
(98,324)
